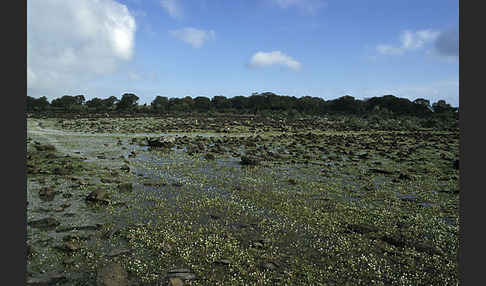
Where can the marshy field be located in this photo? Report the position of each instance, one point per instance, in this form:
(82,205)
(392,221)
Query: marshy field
(239,200)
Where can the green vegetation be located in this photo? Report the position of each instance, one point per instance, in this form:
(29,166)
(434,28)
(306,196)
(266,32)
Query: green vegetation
(315,202)
(439,115)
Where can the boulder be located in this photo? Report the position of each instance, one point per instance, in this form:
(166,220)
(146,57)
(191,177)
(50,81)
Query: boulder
(182,273)
(46,147)
(161,142)
(50,278)
(125,187)
(112,274)
(98,196)
(209,156)
(44,223)
(249,160)
(47,194)
(362,228)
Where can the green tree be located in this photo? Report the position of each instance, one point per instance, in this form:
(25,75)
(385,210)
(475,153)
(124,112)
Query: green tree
(442,106)
(202,103)
(160,104)
(69,103)
(220,103)
(37,104)
(95,104)
(239,102)
(128,102)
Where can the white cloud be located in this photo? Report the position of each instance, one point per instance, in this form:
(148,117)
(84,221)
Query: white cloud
(410,41)
(309,6)
(192,36)
(173,7)
(71,41)
(262,59)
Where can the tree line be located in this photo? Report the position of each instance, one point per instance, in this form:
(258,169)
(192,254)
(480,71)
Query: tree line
(256,103)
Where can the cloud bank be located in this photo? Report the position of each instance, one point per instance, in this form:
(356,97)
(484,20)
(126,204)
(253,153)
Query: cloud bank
(262,59)
(193,36)
(409,41)
(71,41)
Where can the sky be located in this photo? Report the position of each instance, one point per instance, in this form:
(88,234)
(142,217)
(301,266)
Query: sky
(178,48)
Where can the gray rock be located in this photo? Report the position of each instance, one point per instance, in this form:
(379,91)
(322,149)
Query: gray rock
(249,160)
(98,196)
(44,223)
(117,252)
(112,274)
(47,194)
(182,273)
(161,142)
(45,279)
(362,228)
(125,187)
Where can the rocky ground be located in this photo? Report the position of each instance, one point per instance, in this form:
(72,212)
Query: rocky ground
(239,201)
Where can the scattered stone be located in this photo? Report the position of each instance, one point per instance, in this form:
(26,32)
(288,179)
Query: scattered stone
(381,171)
(65,205)
(45,279)
(215,216)
(249,160)
(61,171)
(107,180)
(69,246)
(209,156)
(112,274)
(259,244)
(161,142)
(395,240)
(84,227)
(125,168)
(427,248)
(98,196)
(125,187)
(363,155)
(47,194)
(30,251)
(117,252)
(404,176)
(409,198)
(182,273)
(44,223)
(362,228)
(46,147)
(174,281)
(177,184)
(223,262)
(67,195)
(52,156)
(269,266)
(68,261)
(292,182)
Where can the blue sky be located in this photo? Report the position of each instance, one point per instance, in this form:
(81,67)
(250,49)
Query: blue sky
(177,48)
